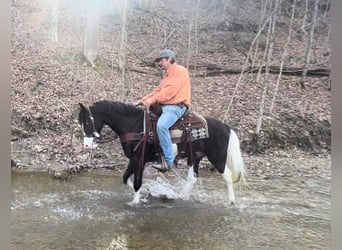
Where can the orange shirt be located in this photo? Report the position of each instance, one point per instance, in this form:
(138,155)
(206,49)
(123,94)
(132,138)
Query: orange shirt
(174,88)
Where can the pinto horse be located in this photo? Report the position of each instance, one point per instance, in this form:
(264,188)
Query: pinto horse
(222,147)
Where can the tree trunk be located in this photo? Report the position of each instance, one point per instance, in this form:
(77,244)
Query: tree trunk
(269,61)
(304,18)
(326,10)
(122,51)
(244,68)
(54,20)
(196,32)
(189,42)
(308,48)
(265,52)
(283,56)
(91,34)
(262,17)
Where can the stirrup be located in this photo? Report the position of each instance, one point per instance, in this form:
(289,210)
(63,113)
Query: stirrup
(164,167)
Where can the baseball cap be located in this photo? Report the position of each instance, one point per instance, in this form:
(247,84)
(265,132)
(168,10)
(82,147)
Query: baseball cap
(165,54)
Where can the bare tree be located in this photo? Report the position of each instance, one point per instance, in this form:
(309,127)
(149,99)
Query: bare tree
(305,17)
(326,10)
(123,43)
(309,45)
(284,55)
(261,64)
(193,18)
(91,33)
(189,41)
(54,15)
(268,64)
(261,20)
(245,66)
(196,32)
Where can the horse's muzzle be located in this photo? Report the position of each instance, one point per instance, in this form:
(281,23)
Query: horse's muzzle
(88,142)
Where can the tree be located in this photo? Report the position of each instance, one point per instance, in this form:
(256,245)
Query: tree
(244,67)
(194,15)
(91,33)
(268,64)
(309,45)
(54,14)
(284,55)
(123,43)
(304,17)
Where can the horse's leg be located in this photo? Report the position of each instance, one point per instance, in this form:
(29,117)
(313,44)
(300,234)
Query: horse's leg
(223,169)
(137,189)
(138,175)
(227,175)
(127,174)
(136,197)
(129,171)
(235,162)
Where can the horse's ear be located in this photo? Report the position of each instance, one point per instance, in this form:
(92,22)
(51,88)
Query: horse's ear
(82,106)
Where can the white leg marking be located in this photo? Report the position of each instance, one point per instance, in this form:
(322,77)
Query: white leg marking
(136,198)
(227,175)
(130,183)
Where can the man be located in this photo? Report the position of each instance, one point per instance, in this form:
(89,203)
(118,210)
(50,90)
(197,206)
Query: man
(173,94)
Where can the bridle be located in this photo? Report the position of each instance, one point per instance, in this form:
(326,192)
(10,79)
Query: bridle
(97,135)
(129,136)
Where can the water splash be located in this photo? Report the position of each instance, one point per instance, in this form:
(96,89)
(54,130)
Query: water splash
(160,187)
(177,187)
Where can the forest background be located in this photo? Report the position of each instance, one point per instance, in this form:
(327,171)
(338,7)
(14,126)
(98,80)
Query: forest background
(262,67)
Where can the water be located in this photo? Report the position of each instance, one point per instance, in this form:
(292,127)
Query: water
(90,212)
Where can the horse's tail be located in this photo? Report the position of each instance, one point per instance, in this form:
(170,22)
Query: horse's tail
(234,159)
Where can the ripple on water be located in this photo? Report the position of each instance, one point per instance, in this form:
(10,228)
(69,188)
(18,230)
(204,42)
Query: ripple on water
(91,213)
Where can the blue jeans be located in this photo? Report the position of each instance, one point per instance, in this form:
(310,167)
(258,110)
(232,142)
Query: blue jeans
(170,114)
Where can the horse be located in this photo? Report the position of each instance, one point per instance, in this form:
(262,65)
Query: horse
(221,147)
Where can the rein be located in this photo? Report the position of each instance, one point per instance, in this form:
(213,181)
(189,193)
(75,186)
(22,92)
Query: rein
(93,123)
(143,140)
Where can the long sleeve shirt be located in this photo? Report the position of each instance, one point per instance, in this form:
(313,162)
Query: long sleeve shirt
(174,88)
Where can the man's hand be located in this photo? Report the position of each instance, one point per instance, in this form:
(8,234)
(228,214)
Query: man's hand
(144,103)
(137,103)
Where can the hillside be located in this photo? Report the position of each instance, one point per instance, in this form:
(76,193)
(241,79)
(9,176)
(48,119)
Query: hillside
(51,76)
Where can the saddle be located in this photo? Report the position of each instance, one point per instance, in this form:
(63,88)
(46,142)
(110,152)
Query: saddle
(190,127)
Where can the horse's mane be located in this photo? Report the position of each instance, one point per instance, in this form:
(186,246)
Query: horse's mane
(106,106)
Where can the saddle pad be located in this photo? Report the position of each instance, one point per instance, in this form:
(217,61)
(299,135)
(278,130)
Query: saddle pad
(196,133)
(195,123)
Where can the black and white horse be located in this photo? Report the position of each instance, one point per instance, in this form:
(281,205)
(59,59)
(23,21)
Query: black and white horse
(222,147)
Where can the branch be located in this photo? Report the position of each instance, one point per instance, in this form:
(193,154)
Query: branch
(272,70)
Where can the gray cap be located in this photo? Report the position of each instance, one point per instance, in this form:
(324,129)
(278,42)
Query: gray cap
(165,54)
